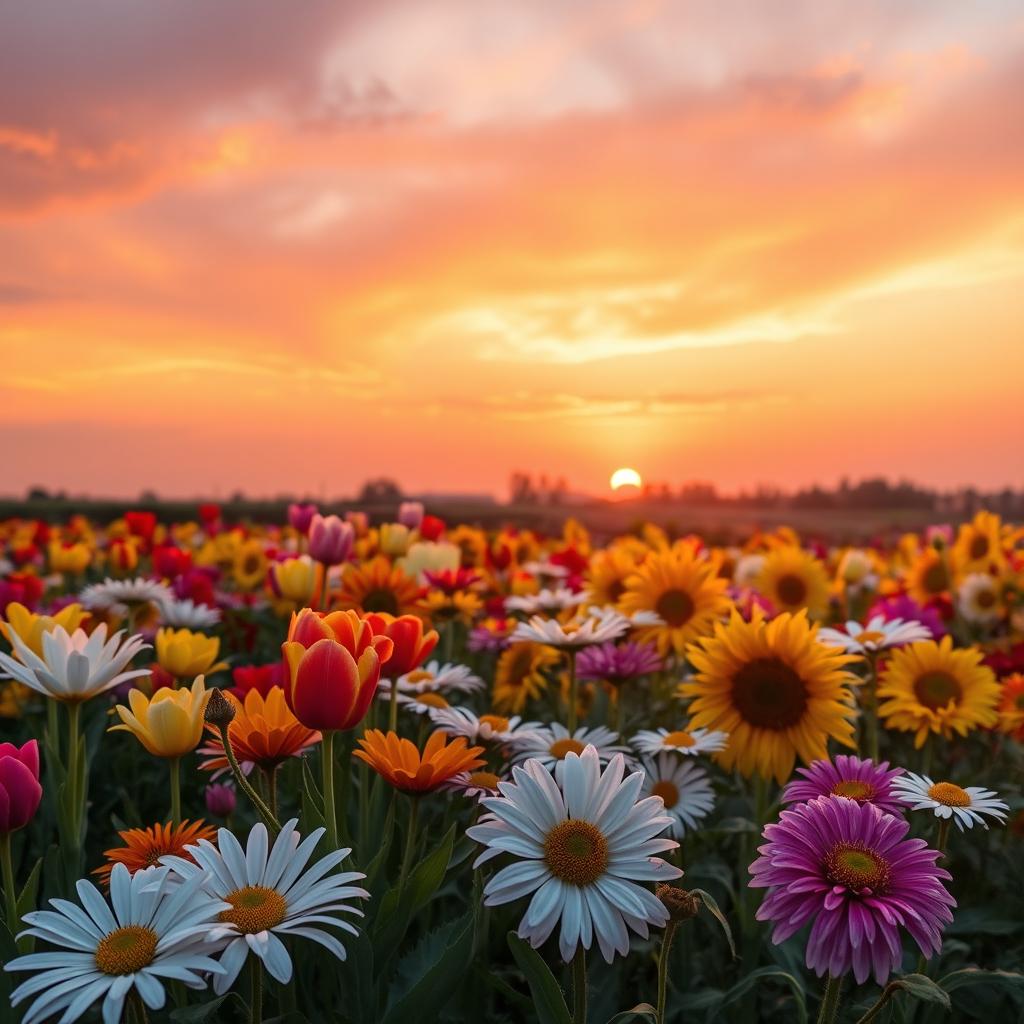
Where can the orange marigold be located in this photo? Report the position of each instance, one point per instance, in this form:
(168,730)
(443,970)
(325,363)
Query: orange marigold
(145,846)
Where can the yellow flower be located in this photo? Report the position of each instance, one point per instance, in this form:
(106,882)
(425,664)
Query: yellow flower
(72,558)
(30,626)
(930,687)
(774,688)
(472,544)
(979,546)
(684,590)
(250,565)
(932,574)
(519,676)
(297,579)
(183,653)
(606,577)
(394,539)
(377,586)
(171,723)
(793,579)
(463,605)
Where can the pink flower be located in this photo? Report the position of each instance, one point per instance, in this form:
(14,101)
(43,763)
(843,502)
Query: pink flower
(858,779)
(220,799)
(20,791)
(848,870)
(300,517)
(330,540)
(410,514)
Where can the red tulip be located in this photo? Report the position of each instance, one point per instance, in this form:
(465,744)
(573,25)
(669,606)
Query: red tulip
(262,678)
(411,645)
(431,528)
(20,791)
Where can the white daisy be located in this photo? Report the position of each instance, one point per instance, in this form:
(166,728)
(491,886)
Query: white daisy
(964,805)
(118,596)
(459,721)
(270,896)
(580,632)
(683,787)
(549,601)
(186,614)
(683,741)
(551,744)
(584,847)
(546,569)
(74,667)
(877,635)
(475,785)
(748,569)
(434,678)
(154,931)
(977,599)
(637,619)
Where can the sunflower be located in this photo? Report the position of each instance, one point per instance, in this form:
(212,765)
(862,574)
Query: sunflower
(929,687)
(250,565)
(931,574)
(607,575)
(519,677)
(463,605)
(774,689)
(143,847)
(378,586)
(979,546)
(793,579)
(683,591)
(472,545)
(1011,706)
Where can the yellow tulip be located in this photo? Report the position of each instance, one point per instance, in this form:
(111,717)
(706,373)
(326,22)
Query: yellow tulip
(73,558)
(297,579)
(184,653)
(31,626)
(394,539)
(171,723)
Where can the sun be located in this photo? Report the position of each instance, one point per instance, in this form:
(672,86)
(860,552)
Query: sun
(625,477)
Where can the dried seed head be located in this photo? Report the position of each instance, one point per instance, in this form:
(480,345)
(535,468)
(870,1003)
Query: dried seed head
(219,710)
(679,903)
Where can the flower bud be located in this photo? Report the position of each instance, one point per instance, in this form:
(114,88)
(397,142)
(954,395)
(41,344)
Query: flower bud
(220,799)
(679,903)
(219,710)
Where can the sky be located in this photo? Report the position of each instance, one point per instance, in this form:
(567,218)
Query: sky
(288,247)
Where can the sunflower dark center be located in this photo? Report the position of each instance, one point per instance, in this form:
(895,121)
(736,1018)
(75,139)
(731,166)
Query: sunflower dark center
(979,546)
(791,589)
(857,867)
(768,694)
(615,590)
(676,607)
(936,689)
(935,578)
(381,600)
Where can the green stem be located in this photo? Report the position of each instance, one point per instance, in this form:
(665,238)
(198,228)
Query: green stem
(666,948)
(52,728)
(10,891)
(887,993)
(256,999)
(830,1000)
(943,836)
(871,683)
(573,708)
(579,986)
(245,786)
(410,841)
(76,772)
(327,767)
(393,707)
(175,767)
(270,774)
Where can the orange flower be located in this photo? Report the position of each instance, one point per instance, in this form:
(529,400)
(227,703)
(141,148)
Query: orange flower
(377,586)
(145,846)
(334,662)
(401,763)
(264,732)
(1011,706)
(411,645)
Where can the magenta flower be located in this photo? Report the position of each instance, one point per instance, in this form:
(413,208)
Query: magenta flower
(20,791)
(904,607)
(330,540)
(858,779)
(300,517)
(617,663)
(848,870)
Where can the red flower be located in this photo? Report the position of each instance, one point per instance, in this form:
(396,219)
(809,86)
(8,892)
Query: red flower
(24,587)
(141,525)
(411,645)
(262,678)
(20,791)
(431,528)
(170,561)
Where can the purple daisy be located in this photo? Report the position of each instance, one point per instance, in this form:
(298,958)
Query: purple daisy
(617,663)
(847,870)
(856,778)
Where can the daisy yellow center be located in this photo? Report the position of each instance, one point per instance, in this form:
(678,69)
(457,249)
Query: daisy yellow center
(254,909)
(854,789)
(979,546)
(487,780)
(871,636)
(791,589)
(935,579)
(419,675)
(126,950)
(496,722)
(668,791)
(676,607)
(576,852)
(936,689)
(857,867)
(432,700)
(567,746)
(381,600)
(950,794)
(678,739)
(768,694)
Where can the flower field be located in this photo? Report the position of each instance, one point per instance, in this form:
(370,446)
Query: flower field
(329,770)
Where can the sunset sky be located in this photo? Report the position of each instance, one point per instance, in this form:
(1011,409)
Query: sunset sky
(285,247)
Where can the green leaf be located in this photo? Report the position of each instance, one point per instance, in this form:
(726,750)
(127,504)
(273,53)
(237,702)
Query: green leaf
(745,984)
(920,987)
(548,1000)
(977,976)
(642,1013)
(204,1011)
(312,800)
(430,974)
(27,899)
(712,905)
(980,921)
(428,875)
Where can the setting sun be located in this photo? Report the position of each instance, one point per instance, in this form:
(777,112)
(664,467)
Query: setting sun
(625,477)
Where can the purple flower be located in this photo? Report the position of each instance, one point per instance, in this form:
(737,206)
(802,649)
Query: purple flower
(300,517)
(482,639)
(906,608)
(220,799)
(410,514)
(848,871)
(617,663)
(855,778)
(330,540)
